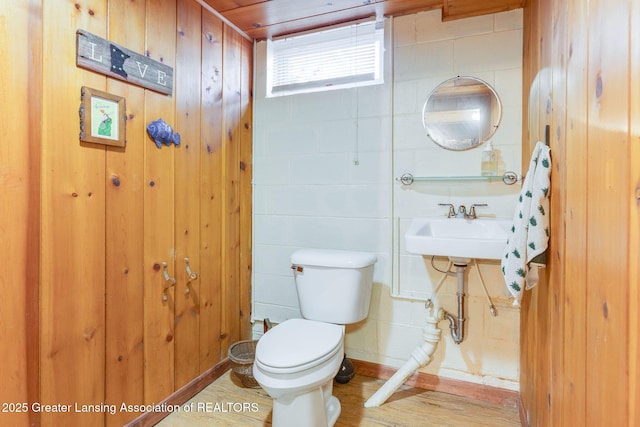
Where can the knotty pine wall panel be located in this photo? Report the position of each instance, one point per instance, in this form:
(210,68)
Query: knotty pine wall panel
(557,126)
(20,136)
(529,72)
(575,310)
(211,190)
(535,366)
(72,269)
(634,218)
(245,189)
(187,192)
(579,333)
(159,215)
(608,199)
(124,292)
(88,226)
(231,138)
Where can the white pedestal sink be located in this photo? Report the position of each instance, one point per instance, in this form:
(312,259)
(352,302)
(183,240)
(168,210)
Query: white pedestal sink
(483,238)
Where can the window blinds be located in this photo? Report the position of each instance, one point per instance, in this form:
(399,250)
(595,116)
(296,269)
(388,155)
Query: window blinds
(339,57)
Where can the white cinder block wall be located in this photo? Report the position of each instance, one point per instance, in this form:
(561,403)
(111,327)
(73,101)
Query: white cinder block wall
(309,191)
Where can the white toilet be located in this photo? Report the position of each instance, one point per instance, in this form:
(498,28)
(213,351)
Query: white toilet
(296,360)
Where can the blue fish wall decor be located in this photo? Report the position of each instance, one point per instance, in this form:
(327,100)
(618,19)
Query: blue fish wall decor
(162,133)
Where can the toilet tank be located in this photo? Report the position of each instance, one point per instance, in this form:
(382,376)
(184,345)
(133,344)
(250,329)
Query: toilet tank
(333,286)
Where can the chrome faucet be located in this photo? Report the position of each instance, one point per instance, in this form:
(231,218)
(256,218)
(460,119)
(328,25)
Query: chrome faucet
(462,210)
(452,209)
(472,211)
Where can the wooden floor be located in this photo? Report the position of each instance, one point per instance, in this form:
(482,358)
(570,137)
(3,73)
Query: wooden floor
(226,403)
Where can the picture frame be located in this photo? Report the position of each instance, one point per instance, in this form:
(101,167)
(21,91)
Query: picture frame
(102,117)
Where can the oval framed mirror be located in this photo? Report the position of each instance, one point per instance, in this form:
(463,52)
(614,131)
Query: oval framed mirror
(462,113)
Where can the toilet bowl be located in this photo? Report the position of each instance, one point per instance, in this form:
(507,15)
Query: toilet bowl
(295,364)
(296,361)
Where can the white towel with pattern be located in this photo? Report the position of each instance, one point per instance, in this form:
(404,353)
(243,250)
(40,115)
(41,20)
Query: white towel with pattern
(530,230)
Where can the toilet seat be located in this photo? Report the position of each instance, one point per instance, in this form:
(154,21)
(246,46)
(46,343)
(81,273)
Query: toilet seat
(298,344)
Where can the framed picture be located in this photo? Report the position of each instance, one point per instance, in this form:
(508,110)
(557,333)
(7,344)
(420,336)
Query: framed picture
(102,117)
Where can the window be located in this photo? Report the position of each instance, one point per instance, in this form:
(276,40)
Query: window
(331,59)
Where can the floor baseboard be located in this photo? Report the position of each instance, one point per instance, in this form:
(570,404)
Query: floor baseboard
(432,382)
(182,395)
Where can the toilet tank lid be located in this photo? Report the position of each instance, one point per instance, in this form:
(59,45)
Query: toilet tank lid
(333,258)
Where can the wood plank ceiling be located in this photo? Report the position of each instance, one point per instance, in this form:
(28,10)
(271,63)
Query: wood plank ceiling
(261,19)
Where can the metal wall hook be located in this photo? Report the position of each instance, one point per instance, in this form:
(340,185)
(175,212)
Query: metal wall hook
(169,281)
(191,275)
(165,273)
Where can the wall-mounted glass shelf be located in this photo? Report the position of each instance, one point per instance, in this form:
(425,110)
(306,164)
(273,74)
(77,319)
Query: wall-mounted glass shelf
(508,178)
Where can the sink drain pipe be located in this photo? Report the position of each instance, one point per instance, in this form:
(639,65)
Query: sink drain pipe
(419,357)
(431,334)
(457,327)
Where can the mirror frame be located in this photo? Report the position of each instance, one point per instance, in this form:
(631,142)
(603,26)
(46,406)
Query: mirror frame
(456,145)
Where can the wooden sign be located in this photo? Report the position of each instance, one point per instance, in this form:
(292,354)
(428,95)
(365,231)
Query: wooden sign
(102,56)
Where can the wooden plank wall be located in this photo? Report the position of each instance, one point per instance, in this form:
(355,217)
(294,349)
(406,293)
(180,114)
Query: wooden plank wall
(188,168)
(575,327)
(579,327)
(609,188)
(20,136)
(245,187)
(73,241)
(86,227)
(159,215)
(634,218)
(125,228)
(211,189)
